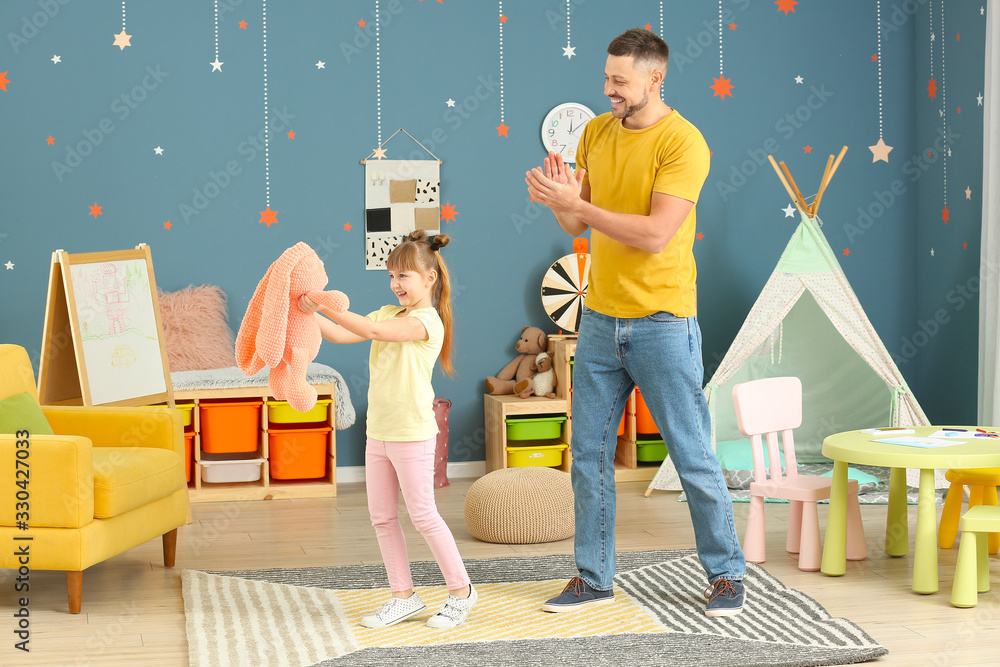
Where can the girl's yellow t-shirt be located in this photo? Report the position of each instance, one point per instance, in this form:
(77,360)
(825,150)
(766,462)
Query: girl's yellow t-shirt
(624,167)
(400,395)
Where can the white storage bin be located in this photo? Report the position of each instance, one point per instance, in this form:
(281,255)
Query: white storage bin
(231,470)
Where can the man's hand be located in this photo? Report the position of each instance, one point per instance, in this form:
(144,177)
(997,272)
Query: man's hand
(555,185)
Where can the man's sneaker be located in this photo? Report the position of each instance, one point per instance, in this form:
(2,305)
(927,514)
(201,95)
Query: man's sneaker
(394,611)
(577,595)
(454,611)
(725,598)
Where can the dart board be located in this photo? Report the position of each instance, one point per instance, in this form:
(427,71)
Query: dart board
(564,287)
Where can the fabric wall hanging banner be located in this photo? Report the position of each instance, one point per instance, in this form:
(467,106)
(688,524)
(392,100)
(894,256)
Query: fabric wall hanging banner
(401,196)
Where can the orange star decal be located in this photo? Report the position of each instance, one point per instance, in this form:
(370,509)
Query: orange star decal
(291,134)
(51,140)
(965,246)
(243,25)
(732,26)
(958,37)
(269,217)
(167,225)
(448,212)
(808,149)
(648,27)
(932,89)
(786,6)
(502,130)
(847,251)
(874,57)
(944,214)
(959,110)
(722,87)
(361,23)
(699,236)
(95,210)
(503,19)
(347,226)
(3,81)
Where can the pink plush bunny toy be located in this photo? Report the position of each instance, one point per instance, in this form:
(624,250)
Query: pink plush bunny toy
(276,333)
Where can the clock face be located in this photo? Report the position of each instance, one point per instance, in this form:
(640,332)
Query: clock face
(562,128)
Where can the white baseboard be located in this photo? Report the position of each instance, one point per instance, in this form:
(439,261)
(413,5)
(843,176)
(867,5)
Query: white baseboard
(348,474)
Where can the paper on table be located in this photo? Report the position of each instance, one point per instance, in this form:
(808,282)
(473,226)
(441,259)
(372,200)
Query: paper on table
(962,433)
(921,442)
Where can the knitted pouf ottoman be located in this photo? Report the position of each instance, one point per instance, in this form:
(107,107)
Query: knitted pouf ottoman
(520,506)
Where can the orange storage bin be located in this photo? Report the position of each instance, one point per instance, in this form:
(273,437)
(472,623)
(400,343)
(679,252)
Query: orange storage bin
(298,453)
(188,452)
(228,427)
(643,420)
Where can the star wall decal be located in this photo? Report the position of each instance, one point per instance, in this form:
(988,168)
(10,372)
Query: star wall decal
(243,25)
(450,102)
(361,23)
(3,81)
(808,149)
(699,236)
(347,226)
(56,59)
(379,153)
(167,225)
(502,130)
(269,217)
(95,210)
(320,64)
(158,150)
(786,6)
(880,151)
(722,87)
(291,134)
(798,79)
(944,214)
(932,252)
(789,211)
(732,26)
(847,251)
(51,140)
(932,89)
(122,40)
(448,212)
(9,265)
(980,99)
(216,65)
(503,19)
(968,192)
(569,51)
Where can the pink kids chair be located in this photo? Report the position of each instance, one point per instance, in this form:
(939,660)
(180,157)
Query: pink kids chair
(768,407)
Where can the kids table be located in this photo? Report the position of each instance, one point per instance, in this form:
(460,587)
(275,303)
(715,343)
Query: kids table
(860,448)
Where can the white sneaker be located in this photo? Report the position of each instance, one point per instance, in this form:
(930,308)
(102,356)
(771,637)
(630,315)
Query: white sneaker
(454,611)
(394,611)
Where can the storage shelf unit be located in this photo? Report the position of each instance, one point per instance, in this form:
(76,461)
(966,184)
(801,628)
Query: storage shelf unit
(498,408)
(265,488)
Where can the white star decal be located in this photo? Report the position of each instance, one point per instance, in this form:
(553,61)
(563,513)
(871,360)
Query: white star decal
(789,211)
(450,102)
(320,64)
(9,265)
(932,252)
(158,150)
(932,36)
(379,153)
(880,151)
(798,79)
(56,59)
(569,51)
(122,40)
(217,65)
(980,99)
(968,192)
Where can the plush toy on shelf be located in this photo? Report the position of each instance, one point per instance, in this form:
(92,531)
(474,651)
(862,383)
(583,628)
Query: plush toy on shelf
(517,376)
(276,333)
(545,380)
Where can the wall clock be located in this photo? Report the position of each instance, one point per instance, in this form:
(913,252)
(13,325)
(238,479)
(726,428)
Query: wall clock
(562,128)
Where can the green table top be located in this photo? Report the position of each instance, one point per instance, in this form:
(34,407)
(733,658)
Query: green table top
(860,448)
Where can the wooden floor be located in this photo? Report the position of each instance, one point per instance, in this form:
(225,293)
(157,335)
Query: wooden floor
(133,613)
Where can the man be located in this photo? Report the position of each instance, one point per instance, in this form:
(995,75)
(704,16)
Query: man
(641,168)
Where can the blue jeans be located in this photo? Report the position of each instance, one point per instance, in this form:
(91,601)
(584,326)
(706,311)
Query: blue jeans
(661,353)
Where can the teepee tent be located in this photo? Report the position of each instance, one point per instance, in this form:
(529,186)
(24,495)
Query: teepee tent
(807,322)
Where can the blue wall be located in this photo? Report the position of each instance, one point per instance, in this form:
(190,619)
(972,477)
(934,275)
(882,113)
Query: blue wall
(117,105)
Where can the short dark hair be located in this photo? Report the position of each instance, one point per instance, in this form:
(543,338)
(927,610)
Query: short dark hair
(647,49)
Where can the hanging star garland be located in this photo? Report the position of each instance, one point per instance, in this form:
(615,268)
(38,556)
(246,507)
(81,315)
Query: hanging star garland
(569,50)
(946,152)
(122,39)
(722,86)
(267,216)
(880,151)
(217,64)
(502,128)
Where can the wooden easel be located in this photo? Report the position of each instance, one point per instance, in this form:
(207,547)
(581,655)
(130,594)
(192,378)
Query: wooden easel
(63,378)
(786,179)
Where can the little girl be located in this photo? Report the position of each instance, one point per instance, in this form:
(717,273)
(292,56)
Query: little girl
(406,341)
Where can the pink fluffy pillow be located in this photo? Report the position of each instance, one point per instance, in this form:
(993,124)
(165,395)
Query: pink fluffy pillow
(196,328)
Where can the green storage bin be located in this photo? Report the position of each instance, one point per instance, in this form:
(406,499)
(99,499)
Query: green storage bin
(650,451)
(540,427)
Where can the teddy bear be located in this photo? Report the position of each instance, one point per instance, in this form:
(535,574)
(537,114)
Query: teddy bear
(545,380)
(516,376)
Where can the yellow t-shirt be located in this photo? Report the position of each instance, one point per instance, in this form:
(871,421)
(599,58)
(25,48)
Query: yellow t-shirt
(624,167)
(400,395)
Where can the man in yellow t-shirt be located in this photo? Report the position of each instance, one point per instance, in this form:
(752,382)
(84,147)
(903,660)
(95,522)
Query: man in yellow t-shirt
(641,168)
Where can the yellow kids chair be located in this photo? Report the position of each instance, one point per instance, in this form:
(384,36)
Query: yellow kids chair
(768,407)
(982,485)
(95,481)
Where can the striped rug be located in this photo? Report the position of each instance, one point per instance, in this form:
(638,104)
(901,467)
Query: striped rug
(303,617)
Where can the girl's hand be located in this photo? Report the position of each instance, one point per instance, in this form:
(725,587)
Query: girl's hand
(307,305)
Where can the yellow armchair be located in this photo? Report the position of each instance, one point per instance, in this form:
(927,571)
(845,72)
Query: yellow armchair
(111,478)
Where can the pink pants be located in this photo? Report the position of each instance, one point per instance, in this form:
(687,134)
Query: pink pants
(408,466)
